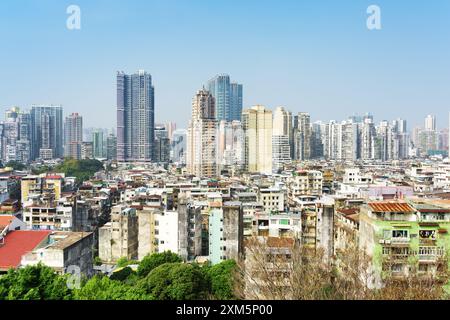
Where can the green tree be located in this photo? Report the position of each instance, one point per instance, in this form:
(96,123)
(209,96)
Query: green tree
(98,261)
(220,277)
(103,288)
(123,274)
(16,165)
(175,281)
(34,283)
(123,262)
(151,261)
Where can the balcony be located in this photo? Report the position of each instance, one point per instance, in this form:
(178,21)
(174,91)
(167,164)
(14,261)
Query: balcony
(430,258)
(399,240)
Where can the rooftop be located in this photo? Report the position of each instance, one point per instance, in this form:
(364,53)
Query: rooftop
(5,220)
(18,243)
(390,207)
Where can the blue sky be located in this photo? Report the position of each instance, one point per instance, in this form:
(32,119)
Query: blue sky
(308,55)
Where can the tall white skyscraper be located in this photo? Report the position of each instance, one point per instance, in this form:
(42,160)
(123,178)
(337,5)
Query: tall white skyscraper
(73,136)
(282,140)
(230,143)
(430,123)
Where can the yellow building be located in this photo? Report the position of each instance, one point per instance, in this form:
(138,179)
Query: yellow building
(257,125)
(30,186)
(36,185)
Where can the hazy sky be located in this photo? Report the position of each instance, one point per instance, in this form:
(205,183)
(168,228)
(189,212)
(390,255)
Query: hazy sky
(309,55)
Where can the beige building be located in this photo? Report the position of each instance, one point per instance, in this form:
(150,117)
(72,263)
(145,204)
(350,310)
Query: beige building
(158,231)
(304,183)
(64,252)
(119,238)
(257,125)
(272,199)
(201,156)
(32,186)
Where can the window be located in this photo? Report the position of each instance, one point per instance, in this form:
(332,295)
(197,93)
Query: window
(397,268)
(427,234)
(423,267)
(399,233)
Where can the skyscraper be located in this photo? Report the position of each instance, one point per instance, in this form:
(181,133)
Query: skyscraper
(170,127)
(282,122)
(257,125)
(399,125)
(230,144)
(15,136)
(228,97)
(368,137)
(178,153)
(111,147)
(97,143)
(135,117)
(282,137)
(73,136)
(201,157)
(162,145)
(302,136)
(236,101)
(46,131)
(430,123)
(281,152)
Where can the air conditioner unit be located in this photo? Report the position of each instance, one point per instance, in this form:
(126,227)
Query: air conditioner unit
(387,241)
(381,241)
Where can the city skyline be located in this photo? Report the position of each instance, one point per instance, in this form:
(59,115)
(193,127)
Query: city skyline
(318,59)
(236,151)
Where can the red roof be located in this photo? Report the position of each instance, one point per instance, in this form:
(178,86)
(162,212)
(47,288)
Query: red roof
(54,177)
(390,207)
(5,220)
(18,243)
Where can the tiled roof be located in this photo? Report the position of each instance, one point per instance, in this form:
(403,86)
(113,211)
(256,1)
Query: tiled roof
(390,207)
(348,211)
(53,177)
(18,243)
(5,220)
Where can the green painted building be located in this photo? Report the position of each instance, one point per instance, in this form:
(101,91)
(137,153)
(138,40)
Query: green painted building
(404,236)
(226,232)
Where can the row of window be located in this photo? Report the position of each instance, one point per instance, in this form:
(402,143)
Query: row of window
(404,234)
(423,251)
